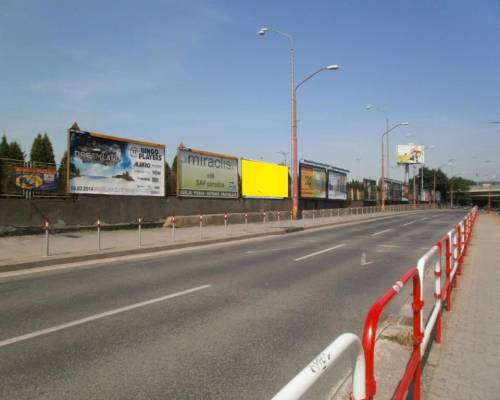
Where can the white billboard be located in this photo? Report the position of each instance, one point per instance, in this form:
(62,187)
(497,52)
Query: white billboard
(337,188)
(411,154)
(102,164)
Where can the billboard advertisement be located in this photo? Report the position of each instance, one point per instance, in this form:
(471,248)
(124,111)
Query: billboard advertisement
(204,174)
(369,190)
(337,188)
(396,190)
(411,154)
(102,164)
(263,179)
(312,182)
(36,178)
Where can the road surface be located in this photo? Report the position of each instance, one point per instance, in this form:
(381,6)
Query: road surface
(230,321)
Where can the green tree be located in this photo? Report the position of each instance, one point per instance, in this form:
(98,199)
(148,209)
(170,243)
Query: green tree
(4,147)
(15,152)
(460,187)
(41,150)
(173,177)
(168,172)
(62,174)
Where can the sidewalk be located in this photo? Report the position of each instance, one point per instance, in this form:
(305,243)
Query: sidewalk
(19,252)
(467,363)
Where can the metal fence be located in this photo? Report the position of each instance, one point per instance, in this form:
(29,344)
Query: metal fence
(29,179)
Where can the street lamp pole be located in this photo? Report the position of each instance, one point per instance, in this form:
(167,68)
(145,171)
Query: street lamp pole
(295,158)
(382,190)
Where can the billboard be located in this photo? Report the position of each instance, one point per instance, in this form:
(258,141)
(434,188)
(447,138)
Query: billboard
(263,179)
(204,174)
(337,188)
(396,189)
(102,164)
(312,182)
(36,178)
(411,154)
(369,190)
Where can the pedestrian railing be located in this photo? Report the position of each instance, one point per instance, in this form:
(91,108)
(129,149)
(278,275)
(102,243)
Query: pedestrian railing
(304,380)
(448,255)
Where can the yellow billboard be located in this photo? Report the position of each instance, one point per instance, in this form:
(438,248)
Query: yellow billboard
(263,179)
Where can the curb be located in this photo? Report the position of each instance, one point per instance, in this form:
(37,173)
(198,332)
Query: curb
(146,250)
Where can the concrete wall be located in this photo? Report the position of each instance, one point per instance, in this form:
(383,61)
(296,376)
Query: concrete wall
(19,215)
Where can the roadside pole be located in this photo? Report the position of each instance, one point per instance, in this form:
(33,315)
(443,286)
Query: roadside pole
(173,228)
(98,225)
(46,226)
(225,224)
(139,227)
(201,226)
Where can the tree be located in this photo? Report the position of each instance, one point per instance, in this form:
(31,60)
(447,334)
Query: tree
(41,150)
(4,147)
(168,172)
(460,187)
(173,176)
(15,152)
(62,174)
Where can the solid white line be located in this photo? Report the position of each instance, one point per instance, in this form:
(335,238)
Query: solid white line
(409,223)
(319,252)
(105,314)
(391,246)
(379,233)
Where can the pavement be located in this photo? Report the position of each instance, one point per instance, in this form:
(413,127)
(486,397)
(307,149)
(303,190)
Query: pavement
(466,365)
(223,321)
(28,251)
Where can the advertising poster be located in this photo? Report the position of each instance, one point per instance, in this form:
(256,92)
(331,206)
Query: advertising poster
(369,190)
(312,182)
(204,174)
(396,191)
(411,154)
(102,164)
(337,189)
(36,178)
(263,179)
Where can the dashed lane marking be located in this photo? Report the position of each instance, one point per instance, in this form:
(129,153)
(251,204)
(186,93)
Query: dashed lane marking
(320,252)
(105,314)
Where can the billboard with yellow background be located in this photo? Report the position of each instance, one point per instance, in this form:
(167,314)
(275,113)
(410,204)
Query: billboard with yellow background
(263,179)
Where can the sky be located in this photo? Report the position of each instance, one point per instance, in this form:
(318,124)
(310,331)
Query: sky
(197,72)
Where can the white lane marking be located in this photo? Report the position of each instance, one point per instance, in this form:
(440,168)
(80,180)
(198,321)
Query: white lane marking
(390,246)
(319,252)
(409,223)
(423,219)
(105,314)
(264,250)
(363,260)
(379,233)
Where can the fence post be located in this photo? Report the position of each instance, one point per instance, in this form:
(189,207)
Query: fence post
(139,221)
(225,224)
(201,226)
(278,217)
(264,217)
(98,225)
(417,332)
(314,216)
(46,226)
(246,221)
(173,228)
(291,217)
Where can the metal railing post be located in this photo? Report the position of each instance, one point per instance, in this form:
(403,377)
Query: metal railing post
(98,225)
(139,221)
(225,224)
(173,228)
(46,226)
(201,226)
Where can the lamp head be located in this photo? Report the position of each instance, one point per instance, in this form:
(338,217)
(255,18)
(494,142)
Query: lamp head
(263,31)
(404,123)
(370,107)
(332,67)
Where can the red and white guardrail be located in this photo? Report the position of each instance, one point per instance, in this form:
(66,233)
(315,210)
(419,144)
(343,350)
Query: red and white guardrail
(447,254)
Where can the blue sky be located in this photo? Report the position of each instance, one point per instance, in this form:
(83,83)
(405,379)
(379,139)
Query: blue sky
(196,71)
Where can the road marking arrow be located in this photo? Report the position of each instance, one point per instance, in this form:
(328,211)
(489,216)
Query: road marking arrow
(363,260)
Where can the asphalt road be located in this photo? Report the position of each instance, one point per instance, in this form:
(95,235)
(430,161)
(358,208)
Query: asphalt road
(233,321)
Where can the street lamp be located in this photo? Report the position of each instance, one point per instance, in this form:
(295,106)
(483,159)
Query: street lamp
(371,107)
(295,159)
(382,190)
(293,103)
